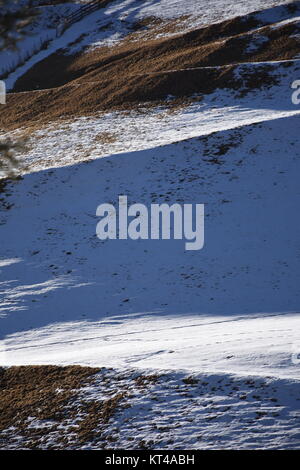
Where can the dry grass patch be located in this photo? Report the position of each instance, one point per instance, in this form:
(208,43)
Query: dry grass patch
(40,391)
(132,73)
(106,138)
(127,93)
(97,414)
(145,380)
(43,393)
(51,407)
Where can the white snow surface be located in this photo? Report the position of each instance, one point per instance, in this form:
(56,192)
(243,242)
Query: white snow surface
(233,307)
(100,135)
(214,10)
(254,345)
(202,411)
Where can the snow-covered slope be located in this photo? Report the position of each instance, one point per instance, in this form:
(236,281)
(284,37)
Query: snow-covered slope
(109,409)
(228,314)
(102,134)
(122,15)
(63,282)
(237,154)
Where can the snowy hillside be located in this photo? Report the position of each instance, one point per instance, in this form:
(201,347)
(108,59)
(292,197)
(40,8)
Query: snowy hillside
(62,273)
(200,115)
(41,29)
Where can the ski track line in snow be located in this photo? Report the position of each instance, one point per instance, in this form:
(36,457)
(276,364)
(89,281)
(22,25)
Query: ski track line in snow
(105,336)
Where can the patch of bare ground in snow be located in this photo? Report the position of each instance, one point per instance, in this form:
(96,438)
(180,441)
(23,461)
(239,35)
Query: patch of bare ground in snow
(126,93)
(49,396)
(147,71)
(48,407)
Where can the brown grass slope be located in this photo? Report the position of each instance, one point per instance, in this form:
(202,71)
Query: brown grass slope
(32,391)
(147,71)
(48,407)
(51,397)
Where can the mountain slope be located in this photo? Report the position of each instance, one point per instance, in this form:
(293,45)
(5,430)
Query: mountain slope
(247,178)
(198,349)
(69,84)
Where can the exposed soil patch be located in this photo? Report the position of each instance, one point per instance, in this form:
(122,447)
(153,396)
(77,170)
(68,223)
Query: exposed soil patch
(202,47)
(106,138)
(152,27)
(220,44)
(50,407)
(146,23)
(49,396)
(33,391)
(97,414)
(74,408)
(42,107)
(131,73)
(144,380)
